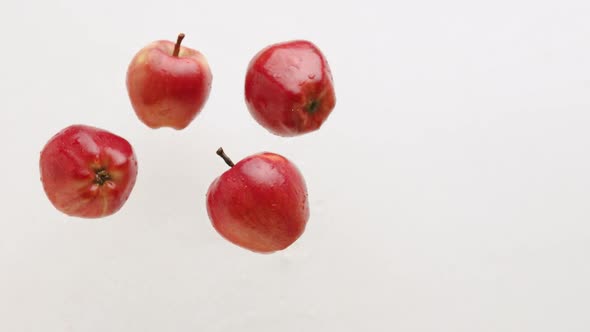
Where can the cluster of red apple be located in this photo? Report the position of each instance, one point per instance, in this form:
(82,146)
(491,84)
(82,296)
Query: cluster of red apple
(261,202)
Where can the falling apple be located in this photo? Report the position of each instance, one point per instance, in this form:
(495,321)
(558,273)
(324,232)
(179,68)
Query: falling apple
(168,84)
(87,172)
(289,88)
(260,203)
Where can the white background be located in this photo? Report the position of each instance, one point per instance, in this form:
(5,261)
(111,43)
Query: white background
(449,189)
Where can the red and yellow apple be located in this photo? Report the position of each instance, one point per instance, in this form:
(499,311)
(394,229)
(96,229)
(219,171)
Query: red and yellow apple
(87,172)
(260,203)
(168,84)
(289,88)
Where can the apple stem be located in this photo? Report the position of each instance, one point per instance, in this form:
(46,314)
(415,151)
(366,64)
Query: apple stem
(225,158)
(177,46)
(313,106)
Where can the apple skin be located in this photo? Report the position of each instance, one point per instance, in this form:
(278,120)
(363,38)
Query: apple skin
(259,204)
(289,88)
(167,90)
(87,172)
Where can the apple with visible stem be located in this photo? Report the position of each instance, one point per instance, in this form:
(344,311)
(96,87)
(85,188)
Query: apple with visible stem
(260,203)
(168,84)
(289,88)
(87,172)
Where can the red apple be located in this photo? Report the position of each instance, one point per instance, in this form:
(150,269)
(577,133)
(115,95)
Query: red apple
(87,172)
(260,203)
(168,84)
(289,88)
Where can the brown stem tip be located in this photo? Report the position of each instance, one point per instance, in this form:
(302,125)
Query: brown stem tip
(225,158)
(177,46)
